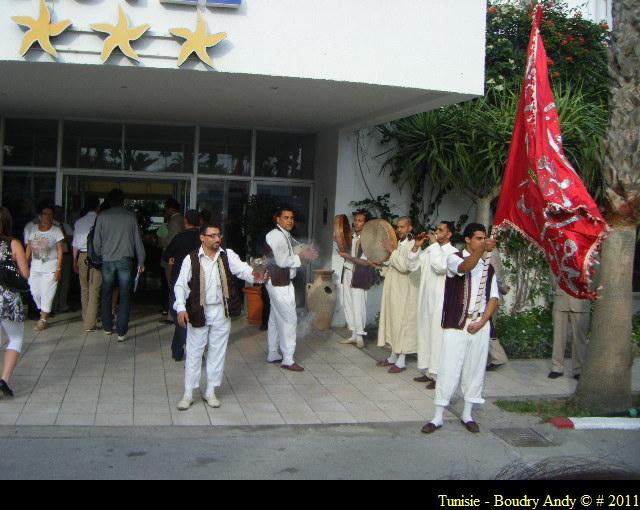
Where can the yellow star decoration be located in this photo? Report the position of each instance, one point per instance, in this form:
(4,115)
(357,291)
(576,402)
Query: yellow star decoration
(197,41)
(120,36)
(40,30)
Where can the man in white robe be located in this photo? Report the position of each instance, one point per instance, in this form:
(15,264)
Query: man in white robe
(432,264)
(355,290)
(398,315)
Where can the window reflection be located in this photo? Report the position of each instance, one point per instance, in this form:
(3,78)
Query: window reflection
(226,201)
(21,194)
(296,197)
(30,142)
(285,155)
(225,152)
(159,148)
(92,145)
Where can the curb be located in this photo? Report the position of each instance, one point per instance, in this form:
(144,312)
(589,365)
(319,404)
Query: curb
(595,423)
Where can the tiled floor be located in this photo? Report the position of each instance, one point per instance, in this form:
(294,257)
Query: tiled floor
(68,377)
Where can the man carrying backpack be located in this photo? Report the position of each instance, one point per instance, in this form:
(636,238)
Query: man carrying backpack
(90,277)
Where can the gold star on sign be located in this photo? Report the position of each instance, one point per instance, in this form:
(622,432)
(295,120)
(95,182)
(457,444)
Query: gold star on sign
(40,30)
(120,36)
(197,42)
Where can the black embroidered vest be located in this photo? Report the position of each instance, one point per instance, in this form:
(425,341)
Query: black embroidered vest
(230,295)
(458,298)
(279,276)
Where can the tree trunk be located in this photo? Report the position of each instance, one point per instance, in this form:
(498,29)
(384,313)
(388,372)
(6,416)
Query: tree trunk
(483,211)
(606,383)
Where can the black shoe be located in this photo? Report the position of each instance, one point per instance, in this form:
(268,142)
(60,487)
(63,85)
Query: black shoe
(577,377)
(555,375)
(5,390)
(491,367)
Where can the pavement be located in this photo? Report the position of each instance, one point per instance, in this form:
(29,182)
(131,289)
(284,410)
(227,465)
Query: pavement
(69,377)
(88,407)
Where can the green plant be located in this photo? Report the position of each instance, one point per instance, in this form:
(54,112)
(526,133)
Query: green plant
(380,207)
(526,271)
(635,333)
(527,335)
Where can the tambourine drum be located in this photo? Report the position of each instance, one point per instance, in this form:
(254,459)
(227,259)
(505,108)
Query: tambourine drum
(372,236)
(342,233)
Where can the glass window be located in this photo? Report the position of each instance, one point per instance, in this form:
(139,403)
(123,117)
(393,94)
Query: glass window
(226,201)
(159,148)
(224,152)
(285,155)
(30,142)
(92,145)
(21,194)
(296,197)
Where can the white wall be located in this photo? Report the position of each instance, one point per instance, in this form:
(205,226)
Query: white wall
(422,44)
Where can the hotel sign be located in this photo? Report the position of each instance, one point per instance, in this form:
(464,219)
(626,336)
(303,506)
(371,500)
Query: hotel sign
(205,3)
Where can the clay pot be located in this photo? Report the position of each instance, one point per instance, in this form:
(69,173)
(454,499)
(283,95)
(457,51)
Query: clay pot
(321,299)
(254,305)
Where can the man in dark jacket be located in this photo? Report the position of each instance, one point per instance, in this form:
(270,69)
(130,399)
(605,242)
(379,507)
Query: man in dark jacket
(174,254)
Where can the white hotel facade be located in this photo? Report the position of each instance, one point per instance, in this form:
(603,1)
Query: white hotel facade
(287,108)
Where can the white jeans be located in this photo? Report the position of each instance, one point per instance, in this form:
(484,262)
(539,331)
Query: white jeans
(14,332)
(216,335)
(43,289)
(355,305)
(283,322)
(463,356)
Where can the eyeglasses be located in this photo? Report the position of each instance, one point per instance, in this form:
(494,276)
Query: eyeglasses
(213,236)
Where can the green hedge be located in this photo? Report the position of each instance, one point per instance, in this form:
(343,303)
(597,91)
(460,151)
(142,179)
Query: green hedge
(529,335)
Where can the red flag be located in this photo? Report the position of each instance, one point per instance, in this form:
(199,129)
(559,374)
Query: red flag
(542,196)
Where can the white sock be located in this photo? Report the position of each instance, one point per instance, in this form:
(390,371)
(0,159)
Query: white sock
(438,419)
(466,414)
(401,361)
(393,358)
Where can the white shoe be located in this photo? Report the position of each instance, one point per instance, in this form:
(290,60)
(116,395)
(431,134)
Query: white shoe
(41,325)
(274,358)
(213,401)
(122,338)
(350,341)
(360,342)
(185,404)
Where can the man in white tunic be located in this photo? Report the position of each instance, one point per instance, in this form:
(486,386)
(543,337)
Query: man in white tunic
(398,315)
(206,299)
(283,320)
(471,297)
(358,275)
(432,264)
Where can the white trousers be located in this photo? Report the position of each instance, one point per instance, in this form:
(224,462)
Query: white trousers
(215,335)
(43,289)
(355,306)
(283,322)
(14,332)
(463,360)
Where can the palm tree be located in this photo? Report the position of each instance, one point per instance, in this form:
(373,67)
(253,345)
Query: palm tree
(464,148)
(605,385)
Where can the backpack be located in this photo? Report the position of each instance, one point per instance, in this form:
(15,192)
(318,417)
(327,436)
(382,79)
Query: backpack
(94,261)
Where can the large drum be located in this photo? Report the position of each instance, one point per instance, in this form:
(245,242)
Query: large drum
(372,237)
(342,233)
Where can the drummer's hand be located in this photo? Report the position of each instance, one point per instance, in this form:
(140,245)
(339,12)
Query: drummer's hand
(374,264)
(344,254)
(388,245)
(490,244)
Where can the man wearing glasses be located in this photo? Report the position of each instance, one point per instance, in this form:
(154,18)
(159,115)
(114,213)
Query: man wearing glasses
(206,299)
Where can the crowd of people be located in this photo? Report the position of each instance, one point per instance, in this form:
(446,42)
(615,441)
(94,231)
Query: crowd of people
(438,302)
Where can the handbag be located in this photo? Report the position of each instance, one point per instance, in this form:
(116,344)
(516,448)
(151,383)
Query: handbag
(11,279)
